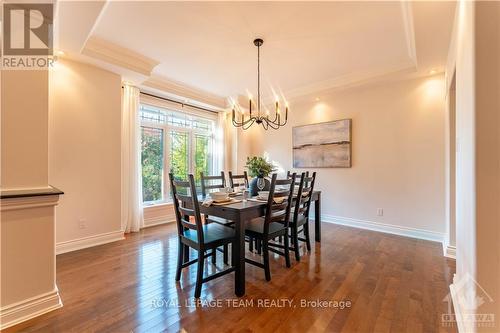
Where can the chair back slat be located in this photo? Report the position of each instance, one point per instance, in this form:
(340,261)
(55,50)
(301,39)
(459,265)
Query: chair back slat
(180,183)
(240,179)
(281,194)
(186,211)
(205,185)
(278,218)
(279,210)
(188,225)
(304,196)
(280,206)
(186,206)
(183,197)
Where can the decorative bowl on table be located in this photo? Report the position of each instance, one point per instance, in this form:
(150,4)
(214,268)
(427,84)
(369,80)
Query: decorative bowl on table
(219,196)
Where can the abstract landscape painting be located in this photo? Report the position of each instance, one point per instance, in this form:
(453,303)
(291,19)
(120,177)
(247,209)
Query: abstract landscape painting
(323,145)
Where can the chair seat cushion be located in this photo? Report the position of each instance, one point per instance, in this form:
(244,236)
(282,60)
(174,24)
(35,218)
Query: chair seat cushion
(211,233)
(219,220)
(256,226)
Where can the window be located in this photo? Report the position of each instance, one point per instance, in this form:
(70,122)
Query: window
(173,142)
(152,164)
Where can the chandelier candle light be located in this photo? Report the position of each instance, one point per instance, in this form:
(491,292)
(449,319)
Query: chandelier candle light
(258,117)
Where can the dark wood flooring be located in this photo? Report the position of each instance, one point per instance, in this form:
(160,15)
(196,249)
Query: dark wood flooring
(395,284)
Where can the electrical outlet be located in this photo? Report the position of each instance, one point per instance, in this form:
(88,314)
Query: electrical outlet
(380,212)
(82,223)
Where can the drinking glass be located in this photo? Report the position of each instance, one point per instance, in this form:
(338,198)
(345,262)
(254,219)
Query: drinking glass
(261,183)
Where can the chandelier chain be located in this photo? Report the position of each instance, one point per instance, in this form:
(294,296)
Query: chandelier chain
(258,79)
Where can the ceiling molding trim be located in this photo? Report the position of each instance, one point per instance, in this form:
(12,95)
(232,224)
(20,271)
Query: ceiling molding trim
(96,22)
(346,81)
(407,11)
(186,93)
(103,50)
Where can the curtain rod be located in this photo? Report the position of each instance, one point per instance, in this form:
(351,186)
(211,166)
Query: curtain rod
(178,102)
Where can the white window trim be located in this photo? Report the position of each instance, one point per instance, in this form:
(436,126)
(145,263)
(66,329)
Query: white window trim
(167,128)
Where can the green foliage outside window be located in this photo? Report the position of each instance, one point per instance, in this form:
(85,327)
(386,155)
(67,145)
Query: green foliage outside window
(188,151)
(179,163)
(201,158)
(152,164)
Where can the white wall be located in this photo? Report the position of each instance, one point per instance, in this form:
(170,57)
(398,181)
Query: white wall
(84,149)
(24,108)
(397,152)
(27,257)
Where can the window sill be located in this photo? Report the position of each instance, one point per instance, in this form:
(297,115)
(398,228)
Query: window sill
(157,204)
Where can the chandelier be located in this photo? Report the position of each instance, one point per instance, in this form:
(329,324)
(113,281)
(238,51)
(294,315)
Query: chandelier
(256,116)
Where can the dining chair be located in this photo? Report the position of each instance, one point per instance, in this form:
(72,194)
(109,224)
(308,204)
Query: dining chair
(239,179)
(273,224)
(199,236)
(297,179)
(207,184)
(299,221)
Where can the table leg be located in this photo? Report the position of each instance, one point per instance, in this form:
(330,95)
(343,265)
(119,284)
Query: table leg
(317,218)
(238,253)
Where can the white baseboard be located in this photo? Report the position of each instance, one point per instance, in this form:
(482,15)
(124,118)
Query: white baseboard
(82,243)
(16,313)
(449,251)
(386,228)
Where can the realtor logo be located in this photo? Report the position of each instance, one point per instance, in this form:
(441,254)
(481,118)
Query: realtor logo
(27,35)
(469,297)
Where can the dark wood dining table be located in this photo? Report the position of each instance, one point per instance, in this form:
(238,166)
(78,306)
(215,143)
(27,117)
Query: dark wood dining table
(243,211)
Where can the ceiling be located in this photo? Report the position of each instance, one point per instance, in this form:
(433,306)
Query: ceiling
(308,46)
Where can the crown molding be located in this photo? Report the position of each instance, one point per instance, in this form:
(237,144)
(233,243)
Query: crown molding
(352,80)
(407,12)
(111,53)
(347,81)
(184,92)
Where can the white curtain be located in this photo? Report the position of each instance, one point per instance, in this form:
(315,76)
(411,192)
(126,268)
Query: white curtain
(222,144)
(132,212)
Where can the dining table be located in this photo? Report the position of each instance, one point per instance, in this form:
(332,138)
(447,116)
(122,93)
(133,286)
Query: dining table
(240,212)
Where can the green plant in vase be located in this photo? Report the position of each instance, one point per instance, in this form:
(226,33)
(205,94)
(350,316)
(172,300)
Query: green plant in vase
(259,168)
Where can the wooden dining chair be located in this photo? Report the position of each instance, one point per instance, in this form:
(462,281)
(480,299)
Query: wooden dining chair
(207,184)
(297,179)
(192,233)
(299,221)
(273,224)
(240,179)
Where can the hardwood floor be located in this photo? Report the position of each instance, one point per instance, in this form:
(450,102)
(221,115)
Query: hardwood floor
(395,284)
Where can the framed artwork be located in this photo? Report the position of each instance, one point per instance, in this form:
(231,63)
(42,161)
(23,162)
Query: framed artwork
(322,145)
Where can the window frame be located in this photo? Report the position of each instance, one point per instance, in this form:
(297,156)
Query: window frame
(167,130)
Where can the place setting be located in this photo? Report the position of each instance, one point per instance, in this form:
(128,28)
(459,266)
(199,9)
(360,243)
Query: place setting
(224,196)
